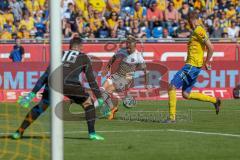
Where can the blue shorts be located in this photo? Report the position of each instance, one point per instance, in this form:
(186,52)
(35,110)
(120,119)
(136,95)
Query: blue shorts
(186,78)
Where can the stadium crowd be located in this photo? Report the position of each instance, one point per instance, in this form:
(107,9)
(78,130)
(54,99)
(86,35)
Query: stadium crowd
(29,19)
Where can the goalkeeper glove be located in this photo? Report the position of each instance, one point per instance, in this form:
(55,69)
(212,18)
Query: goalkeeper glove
(103,108)
(24,101)
(100,102)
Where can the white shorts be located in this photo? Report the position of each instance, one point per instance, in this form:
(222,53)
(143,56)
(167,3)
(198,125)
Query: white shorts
(120,82)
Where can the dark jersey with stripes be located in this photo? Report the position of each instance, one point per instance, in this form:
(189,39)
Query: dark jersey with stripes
(73,64)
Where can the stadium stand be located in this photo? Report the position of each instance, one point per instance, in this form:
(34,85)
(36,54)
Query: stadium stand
(29,19)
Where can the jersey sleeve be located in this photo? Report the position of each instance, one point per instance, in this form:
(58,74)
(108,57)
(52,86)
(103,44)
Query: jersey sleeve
(41,81)
(121,53)
(201,34)
(91,78)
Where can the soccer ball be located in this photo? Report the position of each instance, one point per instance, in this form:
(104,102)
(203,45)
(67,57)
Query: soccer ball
(129,102)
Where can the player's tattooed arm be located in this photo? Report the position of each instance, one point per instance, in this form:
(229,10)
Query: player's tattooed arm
(109,65)
(41,81)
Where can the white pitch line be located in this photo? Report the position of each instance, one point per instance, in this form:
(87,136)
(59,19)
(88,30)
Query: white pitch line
(113,131)
(150,130)
(206,133)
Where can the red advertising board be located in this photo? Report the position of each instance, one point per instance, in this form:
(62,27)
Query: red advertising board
(19,78)
(152,51)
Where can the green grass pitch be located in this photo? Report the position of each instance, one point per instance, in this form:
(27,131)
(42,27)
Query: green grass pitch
(203,137)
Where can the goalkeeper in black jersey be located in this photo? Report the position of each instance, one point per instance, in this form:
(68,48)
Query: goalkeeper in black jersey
(74,63)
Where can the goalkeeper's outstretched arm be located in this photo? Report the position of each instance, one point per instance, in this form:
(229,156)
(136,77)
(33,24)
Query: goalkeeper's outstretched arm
(26,100)
(41,81)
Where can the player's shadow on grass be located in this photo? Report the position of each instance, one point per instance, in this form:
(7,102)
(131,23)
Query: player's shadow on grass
(79,138)
(25,137)
(41,137)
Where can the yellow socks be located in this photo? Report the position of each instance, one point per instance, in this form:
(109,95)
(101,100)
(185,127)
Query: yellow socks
(196,96)
(202,97)
(172,104)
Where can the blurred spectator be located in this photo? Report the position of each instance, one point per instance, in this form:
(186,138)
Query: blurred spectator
(238,21)
(87,33)
(136,30)
(103,31)
(154,15)
(17,53)
(126,14)
(113,6)
(199,4)
(42,3)
(231,12)
(113,34)
(183,12)
(90,13)
(161,4)
(40,25)
(223,20)
(67,30)
(166,37)
(140,13)
(95,21)
(30,18)
(2,19)
(182,31)
(6,35)
(27,21)
(79,24)
(112,21)
(127,3)
(177,4)
(98,5)
(3,4)
(166,34)
(81,5)
(207,21)
(217,30)
(222,5)
(224,34)
(233,30)
(171,15)
(23,32)
(16,9)
(8,15)
(65,3)
(33,6)
(120,29)
(215,14)
(69,13)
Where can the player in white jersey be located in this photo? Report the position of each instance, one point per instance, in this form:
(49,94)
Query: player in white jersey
(121,79)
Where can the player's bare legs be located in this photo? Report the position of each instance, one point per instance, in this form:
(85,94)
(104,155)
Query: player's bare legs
(107,89)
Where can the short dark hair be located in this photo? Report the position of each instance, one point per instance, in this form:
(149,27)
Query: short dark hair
(193,15)
(131,39)
(75,42)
